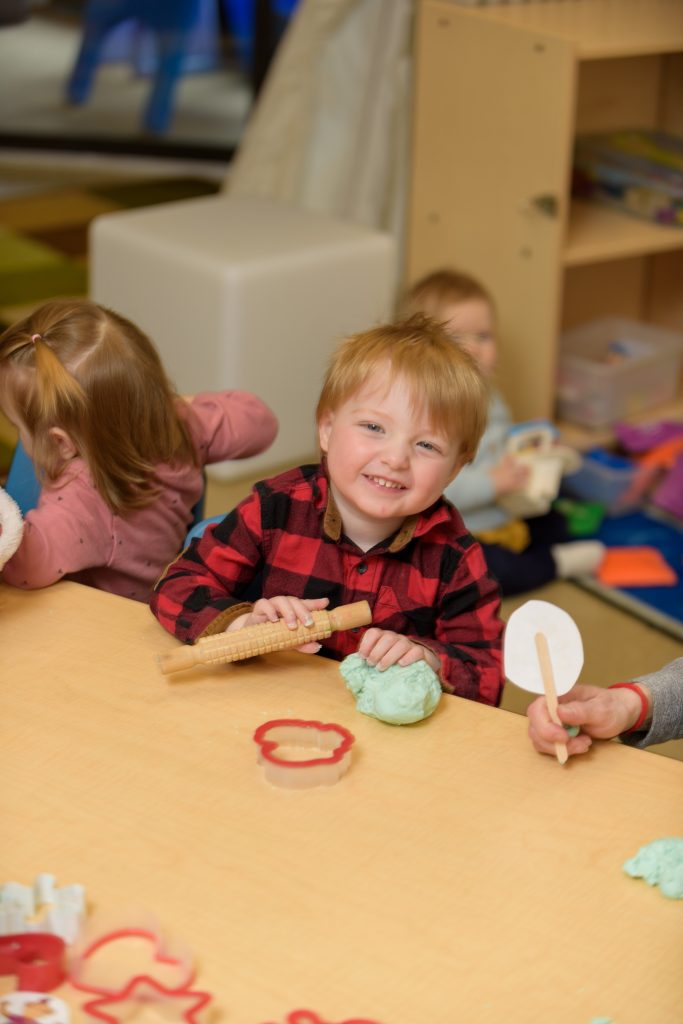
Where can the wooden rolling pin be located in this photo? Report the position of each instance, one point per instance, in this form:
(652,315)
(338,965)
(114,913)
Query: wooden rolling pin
(264,638)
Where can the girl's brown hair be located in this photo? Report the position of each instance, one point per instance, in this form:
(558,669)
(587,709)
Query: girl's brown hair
(433,292)
(75,365)
(438,373)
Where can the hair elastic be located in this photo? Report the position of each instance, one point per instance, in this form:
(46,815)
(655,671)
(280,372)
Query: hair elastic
(34,338)
(644,704)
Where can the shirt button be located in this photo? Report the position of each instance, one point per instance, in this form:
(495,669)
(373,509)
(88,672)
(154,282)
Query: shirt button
(362,567)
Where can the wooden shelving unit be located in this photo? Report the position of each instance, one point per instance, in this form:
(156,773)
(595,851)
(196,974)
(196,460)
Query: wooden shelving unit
(500,95)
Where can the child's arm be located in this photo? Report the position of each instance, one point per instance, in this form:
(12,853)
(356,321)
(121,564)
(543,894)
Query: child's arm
(231,425)
(69,530)
(205,588)
(468,630)
(465,649)
(472,489)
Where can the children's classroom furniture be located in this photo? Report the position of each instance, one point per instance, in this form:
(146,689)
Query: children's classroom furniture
(501,92)
(22,483)
(173,24)
(245,293)
(452,866)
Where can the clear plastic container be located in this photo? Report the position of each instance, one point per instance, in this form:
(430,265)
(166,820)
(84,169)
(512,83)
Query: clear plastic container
(610,480)
(613,368)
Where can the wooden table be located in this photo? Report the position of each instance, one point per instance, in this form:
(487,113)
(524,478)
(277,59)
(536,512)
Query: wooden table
(452,875)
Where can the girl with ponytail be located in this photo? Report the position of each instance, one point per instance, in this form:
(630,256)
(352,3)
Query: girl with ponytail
(118,453)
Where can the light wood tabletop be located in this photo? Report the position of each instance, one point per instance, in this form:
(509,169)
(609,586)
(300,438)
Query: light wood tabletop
(451,875)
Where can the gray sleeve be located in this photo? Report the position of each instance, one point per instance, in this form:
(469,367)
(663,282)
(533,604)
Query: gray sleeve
(666,687)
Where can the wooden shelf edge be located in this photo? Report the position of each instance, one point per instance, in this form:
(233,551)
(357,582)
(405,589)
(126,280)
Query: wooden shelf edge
(598,233)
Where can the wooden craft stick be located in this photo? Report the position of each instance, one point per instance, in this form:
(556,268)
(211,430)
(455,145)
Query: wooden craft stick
(546,667)
(264,638)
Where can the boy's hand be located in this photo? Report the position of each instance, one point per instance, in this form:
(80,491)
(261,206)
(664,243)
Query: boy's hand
(509,475)
(293,611)
(382,648)
(601,714)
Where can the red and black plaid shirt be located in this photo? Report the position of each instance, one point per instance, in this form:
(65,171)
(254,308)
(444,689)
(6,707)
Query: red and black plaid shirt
(428,581)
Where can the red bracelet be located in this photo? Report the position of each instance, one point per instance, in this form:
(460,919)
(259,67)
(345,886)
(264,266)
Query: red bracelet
(643,700)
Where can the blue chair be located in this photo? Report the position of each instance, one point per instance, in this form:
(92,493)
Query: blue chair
(22,483)
(198,529)
(172,22)
(242,22)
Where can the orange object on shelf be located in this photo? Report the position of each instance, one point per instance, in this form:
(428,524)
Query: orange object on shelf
(635,567)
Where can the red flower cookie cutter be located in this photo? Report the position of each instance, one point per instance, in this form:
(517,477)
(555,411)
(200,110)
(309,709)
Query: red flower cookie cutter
(36,959)
(332,742)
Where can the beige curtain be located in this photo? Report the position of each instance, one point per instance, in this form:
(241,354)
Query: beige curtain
(330,131)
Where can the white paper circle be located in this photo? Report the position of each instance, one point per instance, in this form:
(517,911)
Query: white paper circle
(564,644)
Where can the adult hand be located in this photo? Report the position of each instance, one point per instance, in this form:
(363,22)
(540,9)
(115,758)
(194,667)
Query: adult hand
(599,713)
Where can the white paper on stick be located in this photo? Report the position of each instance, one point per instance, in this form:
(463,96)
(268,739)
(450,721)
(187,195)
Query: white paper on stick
(564,644)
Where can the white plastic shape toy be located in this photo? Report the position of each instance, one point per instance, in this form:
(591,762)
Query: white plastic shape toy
(42,907)
(543,653)
(11,527)
(535,445)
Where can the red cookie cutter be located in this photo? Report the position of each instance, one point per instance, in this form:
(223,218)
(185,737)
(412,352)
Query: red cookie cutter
(333,742)
(144,990)
(309,1017)
(162,955)
(36,959)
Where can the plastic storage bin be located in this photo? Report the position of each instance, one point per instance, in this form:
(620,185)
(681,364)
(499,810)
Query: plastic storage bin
(610,480)
(613,368)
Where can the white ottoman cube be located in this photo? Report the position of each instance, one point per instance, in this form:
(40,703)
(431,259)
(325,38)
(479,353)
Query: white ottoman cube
(245,293)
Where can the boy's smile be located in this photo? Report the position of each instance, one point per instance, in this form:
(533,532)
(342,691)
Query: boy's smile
(384,459)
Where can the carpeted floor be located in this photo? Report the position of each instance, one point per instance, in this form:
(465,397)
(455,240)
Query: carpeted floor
(44,243)
(44,236)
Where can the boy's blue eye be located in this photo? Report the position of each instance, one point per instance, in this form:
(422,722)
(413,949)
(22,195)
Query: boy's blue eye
(375,427)
(428,446)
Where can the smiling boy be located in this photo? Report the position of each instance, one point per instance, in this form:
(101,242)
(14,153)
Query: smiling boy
(401,410)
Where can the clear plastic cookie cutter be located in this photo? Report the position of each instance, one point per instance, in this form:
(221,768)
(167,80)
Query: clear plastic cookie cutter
(298,754)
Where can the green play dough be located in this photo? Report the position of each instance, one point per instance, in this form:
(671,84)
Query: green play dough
(660,863)
(572,730)
(399,695)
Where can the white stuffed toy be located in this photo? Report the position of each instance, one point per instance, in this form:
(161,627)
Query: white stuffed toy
(11,525)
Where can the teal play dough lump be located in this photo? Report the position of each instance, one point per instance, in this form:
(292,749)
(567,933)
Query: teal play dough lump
(399,695)
(660,863)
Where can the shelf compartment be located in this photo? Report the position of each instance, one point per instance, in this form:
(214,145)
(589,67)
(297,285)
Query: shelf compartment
(596,233)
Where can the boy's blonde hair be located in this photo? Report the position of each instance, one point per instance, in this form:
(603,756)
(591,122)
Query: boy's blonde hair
(441,288)
(75,365)
(438,373)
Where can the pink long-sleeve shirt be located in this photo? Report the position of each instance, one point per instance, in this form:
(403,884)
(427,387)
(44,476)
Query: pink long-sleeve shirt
(73,534)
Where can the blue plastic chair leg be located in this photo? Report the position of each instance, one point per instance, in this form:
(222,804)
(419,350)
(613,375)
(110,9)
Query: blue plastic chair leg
(100,17)
(157,116)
